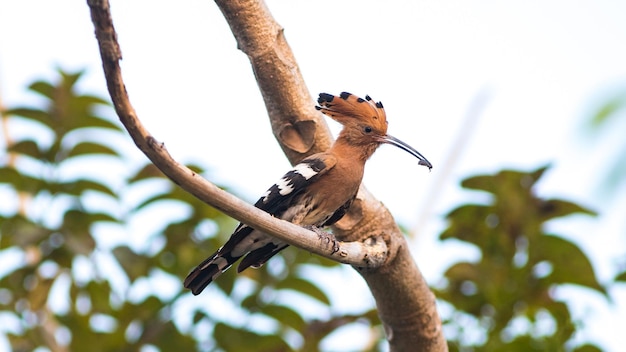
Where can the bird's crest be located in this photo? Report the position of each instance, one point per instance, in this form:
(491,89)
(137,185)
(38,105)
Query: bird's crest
(348,108)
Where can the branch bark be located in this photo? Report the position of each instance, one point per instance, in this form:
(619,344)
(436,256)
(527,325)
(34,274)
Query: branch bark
(405,303)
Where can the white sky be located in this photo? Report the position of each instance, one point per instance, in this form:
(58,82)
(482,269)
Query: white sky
(543,66)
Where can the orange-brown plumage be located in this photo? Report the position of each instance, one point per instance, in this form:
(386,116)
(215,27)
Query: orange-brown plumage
(348,109)
(317,192)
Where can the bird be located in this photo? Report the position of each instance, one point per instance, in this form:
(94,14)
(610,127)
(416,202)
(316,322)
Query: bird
(317,192)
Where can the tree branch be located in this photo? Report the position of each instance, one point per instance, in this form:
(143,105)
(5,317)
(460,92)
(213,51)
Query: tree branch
(366,254)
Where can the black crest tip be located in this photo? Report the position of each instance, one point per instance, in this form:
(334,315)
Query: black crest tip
(325,98)
(345,95)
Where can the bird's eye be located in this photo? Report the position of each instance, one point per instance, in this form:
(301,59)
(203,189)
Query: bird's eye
(367,129)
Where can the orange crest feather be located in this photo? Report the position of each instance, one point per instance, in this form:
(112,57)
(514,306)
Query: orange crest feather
(348,108)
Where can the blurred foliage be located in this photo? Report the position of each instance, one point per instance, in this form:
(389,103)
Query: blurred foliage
(82,282)
(507,292)
(607,115)
(74,285)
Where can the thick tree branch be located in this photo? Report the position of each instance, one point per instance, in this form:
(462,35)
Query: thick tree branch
(367,254)
(405,303)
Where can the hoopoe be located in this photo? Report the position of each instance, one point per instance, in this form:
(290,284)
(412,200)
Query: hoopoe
(317,192)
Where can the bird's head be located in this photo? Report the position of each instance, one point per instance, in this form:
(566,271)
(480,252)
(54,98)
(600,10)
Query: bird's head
(364,121)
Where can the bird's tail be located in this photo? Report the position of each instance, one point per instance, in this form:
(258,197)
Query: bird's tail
(256,248)
(209,270)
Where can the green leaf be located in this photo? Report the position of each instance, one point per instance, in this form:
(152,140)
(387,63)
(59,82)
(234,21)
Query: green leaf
(195,168)
(69,111)
(621,277)
(93,121)
(226,281)
(537,174)
(153,199)
(284,315)
(37,115)
(587,348)
(197,316)
(134,265)
(88,100)
(148,171)
(99,295)
(177,194)
(180,229)
(317,330)
(303,286)
(251,302)
(481,183)
(80,220)
(504,180)
(230,338)
(571,265)
(554,208)
(167,337)
(91,148)
(463,271)
(69,78)
(145,311)
(20,181)
(609,109)
(21,232)
(44,88)
(77,229)
(300,257)
(561,314)
(467,223)
(78,187)
(26,147)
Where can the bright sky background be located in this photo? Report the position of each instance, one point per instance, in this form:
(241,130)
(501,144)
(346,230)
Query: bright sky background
(540,66)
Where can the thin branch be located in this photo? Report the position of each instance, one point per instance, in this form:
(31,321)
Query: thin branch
(369,254)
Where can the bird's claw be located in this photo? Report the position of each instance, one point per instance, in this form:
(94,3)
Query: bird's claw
(323,235)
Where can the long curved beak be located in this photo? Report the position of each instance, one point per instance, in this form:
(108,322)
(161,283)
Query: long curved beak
(400,144)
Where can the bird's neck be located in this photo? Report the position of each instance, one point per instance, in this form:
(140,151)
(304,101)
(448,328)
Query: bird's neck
(349,148)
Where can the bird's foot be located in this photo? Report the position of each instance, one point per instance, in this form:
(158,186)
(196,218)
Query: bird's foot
(325,236)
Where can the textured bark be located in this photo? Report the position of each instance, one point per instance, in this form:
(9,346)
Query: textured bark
(300,129)
(405,303)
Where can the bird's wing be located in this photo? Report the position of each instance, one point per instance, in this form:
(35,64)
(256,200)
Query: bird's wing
(339,213)
(259,256)
(259,247)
